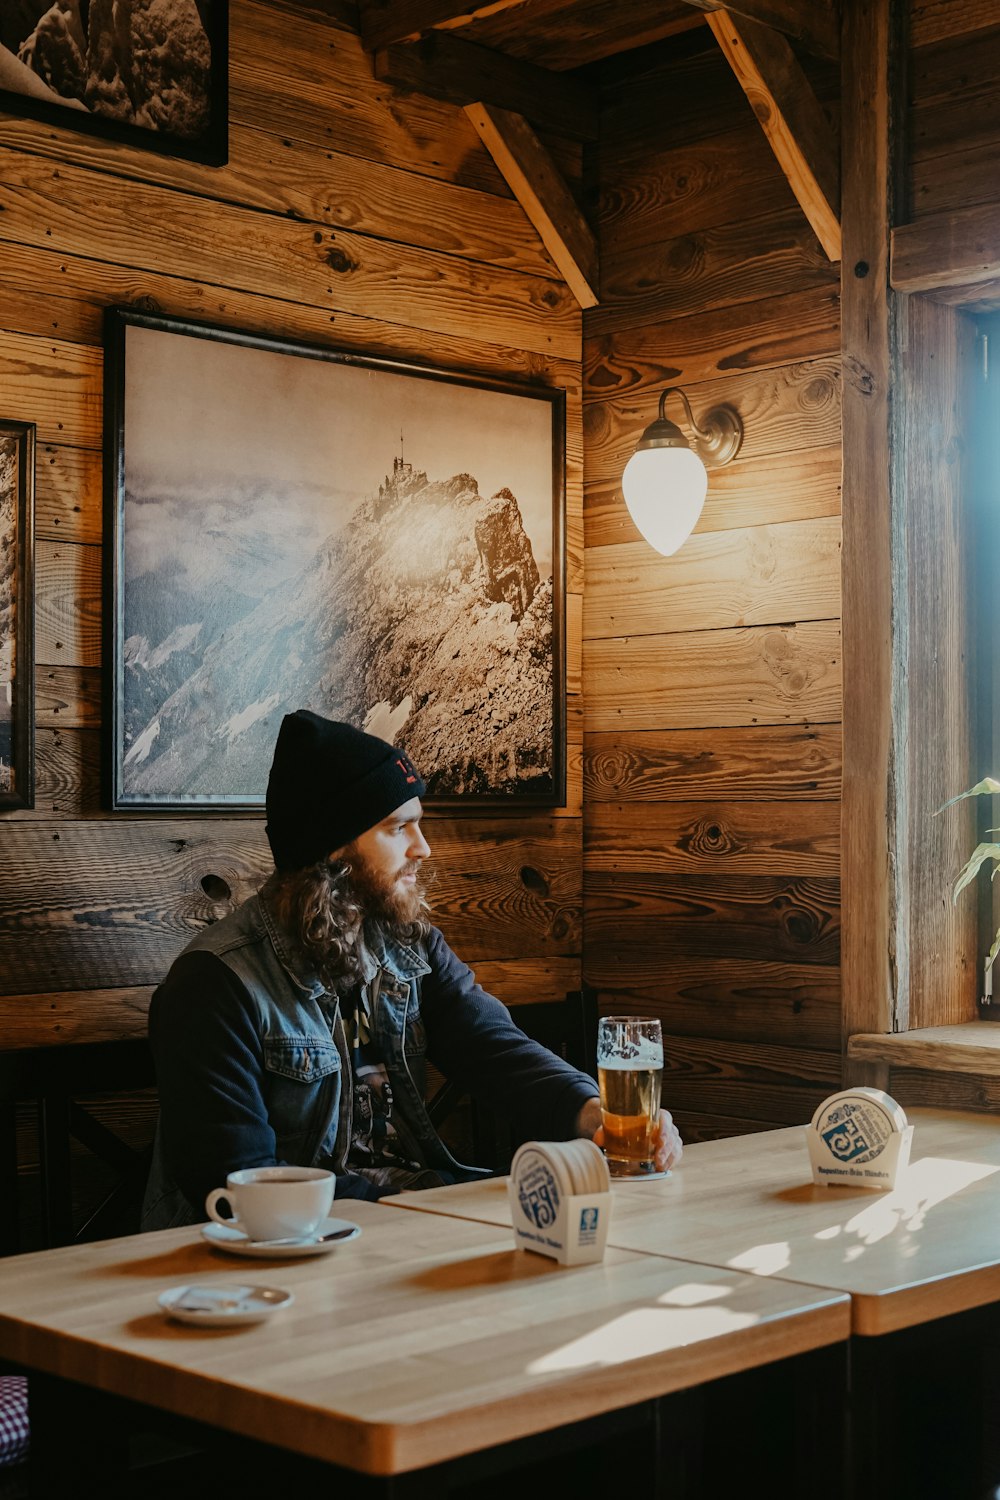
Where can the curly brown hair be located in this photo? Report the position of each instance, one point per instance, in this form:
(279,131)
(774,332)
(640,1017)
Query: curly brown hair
(323,910)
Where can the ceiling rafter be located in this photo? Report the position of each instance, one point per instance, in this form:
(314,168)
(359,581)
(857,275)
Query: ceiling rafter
(791,117)
(538,186)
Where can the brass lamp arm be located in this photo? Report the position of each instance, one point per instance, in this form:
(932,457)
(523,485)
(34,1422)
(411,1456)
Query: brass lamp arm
(718,442)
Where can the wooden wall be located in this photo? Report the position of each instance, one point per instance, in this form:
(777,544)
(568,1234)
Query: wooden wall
(349,216)
(953,120)
(712,678)
(952,138)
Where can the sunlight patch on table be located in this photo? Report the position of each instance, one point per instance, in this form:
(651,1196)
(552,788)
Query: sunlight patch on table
(642,1332)
(694,1292)
(925,1184)
(763,1260)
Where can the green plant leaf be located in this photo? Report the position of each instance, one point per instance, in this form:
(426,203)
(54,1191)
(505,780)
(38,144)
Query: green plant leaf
(995,949)
(980,855)
(987,787)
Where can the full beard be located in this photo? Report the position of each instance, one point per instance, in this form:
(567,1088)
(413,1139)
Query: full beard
(395,907)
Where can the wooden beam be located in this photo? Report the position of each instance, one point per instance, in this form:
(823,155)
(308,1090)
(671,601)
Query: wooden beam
(790,116)
(442,66)
(815,23)
(871,981)
(384,22)
(535,181)
(959,249)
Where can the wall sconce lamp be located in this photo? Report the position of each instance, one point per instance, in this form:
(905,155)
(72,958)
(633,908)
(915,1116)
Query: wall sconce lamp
(664,482)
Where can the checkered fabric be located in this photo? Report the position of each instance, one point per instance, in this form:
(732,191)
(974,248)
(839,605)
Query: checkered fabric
(13,1419)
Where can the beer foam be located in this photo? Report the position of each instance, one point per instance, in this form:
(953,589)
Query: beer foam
(646,1055)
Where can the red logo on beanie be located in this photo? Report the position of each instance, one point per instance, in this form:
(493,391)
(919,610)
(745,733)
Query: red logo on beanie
(407,770)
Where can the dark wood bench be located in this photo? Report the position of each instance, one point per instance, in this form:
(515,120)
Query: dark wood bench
(73,1158)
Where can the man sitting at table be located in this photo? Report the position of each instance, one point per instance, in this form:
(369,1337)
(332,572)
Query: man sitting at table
(297,1029)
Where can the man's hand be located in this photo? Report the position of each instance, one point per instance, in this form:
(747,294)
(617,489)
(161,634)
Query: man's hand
(667,1141)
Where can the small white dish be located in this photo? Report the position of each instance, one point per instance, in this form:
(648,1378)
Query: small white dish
(223,1306)
(236,1242)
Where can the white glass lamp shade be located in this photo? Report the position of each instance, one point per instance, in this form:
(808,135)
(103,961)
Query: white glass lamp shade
(665,490)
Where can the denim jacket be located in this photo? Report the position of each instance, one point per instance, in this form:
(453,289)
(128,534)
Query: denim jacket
(300,1052)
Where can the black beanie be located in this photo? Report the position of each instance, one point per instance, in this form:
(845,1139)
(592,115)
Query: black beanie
(330,782)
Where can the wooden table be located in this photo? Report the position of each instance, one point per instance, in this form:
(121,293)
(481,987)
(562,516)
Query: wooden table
(426,1339)
(921,1265)
(929,1249)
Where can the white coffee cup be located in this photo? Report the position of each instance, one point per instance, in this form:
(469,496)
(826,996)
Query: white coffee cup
(274,1203)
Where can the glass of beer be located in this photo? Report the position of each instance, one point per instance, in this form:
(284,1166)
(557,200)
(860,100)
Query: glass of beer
(630,1073)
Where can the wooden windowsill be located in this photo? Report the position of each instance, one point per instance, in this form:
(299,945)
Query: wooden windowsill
(973,1047)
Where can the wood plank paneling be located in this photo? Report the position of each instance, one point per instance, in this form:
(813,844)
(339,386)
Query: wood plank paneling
(770,764)
(68,604)
(638,919)
(283,176)
(945,1090)
(67,775)
(752,838)
(721,267)
(55,385)
(106,1015)
(313,81)
(954,122)
(67,697)
(780,1085)
(733,999)
(750,336)
(67,494)
(761,576)
(797,486)
(112,903)
(684,189)
(933,20)
(184,235)
(780,409)
(764,675)
(89,286)
(957,249)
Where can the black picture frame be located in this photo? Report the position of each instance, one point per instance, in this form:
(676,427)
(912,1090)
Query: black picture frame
(237,467)
(17,613)
(210,144)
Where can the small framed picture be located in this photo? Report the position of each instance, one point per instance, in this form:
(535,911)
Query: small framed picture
(294,527)
(146,73)
(17,665)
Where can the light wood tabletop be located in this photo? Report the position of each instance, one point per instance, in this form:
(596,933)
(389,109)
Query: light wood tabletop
(928,1249)
(426,1338)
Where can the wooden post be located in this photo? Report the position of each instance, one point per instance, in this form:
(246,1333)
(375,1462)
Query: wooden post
(870,54)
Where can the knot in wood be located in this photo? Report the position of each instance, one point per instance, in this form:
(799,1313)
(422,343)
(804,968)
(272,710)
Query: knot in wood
(215,888)
(709,837)
(339,260)
(534,880)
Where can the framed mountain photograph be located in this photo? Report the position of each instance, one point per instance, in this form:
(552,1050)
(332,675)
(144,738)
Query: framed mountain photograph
(150,73)
(293,527)
(17,665)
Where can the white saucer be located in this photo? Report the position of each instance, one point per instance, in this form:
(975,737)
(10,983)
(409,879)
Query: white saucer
(236,1242)
(223,1306)
(640,1177)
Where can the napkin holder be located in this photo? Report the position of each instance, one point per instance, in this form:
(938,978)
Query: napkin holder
(572,1228)
(859,1138)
